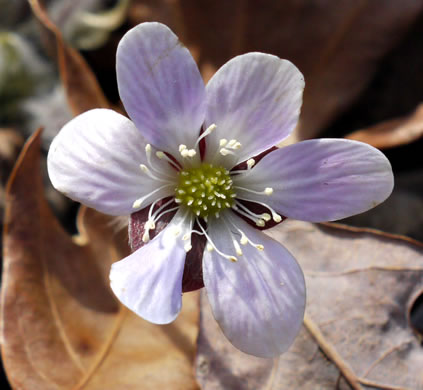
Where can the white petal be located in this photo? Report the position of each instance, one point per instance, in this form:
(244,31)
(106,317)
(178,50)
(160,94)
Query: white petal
(95,160)
(149,281)
(254,98)
(321,180)
(160,86)
(259,300)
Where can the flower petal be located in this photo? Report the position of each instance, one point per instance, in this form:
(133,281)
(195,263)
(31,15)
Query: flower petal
(95,160)
(256,98)
(259,300)
(321,180)
(160,86)
(149,281)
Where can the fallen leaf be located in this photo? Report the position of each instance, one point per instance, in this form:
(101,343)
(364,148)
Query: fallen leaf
(81,86)
(61,326)
(392,133)
(356,334)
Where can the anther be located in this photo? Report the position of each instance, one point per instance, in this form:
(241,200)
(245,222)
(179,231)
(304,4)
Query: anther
(185,152)
(250,163)
(146,236)
(266,217)
(244,239)
(225,152)
(237,248)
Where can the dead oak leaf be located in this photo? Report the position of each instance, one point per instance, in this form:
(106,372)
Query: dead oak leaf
(61,326)
(393,132)
(356,333)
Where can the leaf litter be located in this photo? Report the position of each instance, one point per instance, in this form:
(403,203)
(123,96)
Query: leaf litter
(361,284)
(61,325)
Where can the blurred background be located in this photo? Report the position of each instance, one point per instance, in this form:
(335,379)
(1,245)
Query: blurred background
(362,62)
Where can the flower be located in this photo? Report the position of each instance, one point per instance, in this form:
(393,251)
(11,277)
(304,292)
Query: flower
(182,151)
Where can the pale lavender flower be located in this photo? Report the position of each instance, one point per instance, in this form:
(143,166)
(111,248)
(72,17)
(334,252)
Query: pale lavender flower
(180,149)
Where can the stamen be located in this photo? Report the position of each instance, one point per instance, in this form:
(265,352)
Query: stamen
(162,156)
(276,217)
(165,212)
(209,129)
(137,204)
(266,191)
(244,239)
(154,217)
(237,247)
(228,147)
(150,163)
(148,172)
(185,152)
(256,218)
(225,152)
(211,246)
(233,144)
(250,163)
(149,225)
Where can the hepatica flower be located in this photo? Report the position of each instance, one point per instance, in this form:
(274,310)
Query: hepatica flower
(190,152)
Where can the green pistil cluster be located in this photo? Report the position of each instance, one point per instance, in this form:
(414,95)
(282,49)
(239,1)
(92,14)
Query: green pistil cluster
(206,190)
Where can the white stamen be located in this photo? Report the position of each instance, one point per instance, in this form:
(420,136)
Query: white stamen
(165,212)
(276,217)
(185,152)
(162,156)
(148,172)
(243,210)
(146,236)
(137,204)
(244,239)
(266,217)
(225,152)
(223,142)
(250,163)
(151,165)
(209,129)
(266,191)
(211,246)
(237,248)
(187,247)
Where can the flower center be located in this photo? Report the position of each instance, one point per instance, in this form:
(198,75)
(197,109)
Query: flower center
(206,190)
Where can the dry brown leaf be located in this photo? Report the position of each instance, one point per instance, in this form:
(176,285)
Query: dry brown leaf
(62,328)
(392,133)
(81,86)
(336,44)
(356,334)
